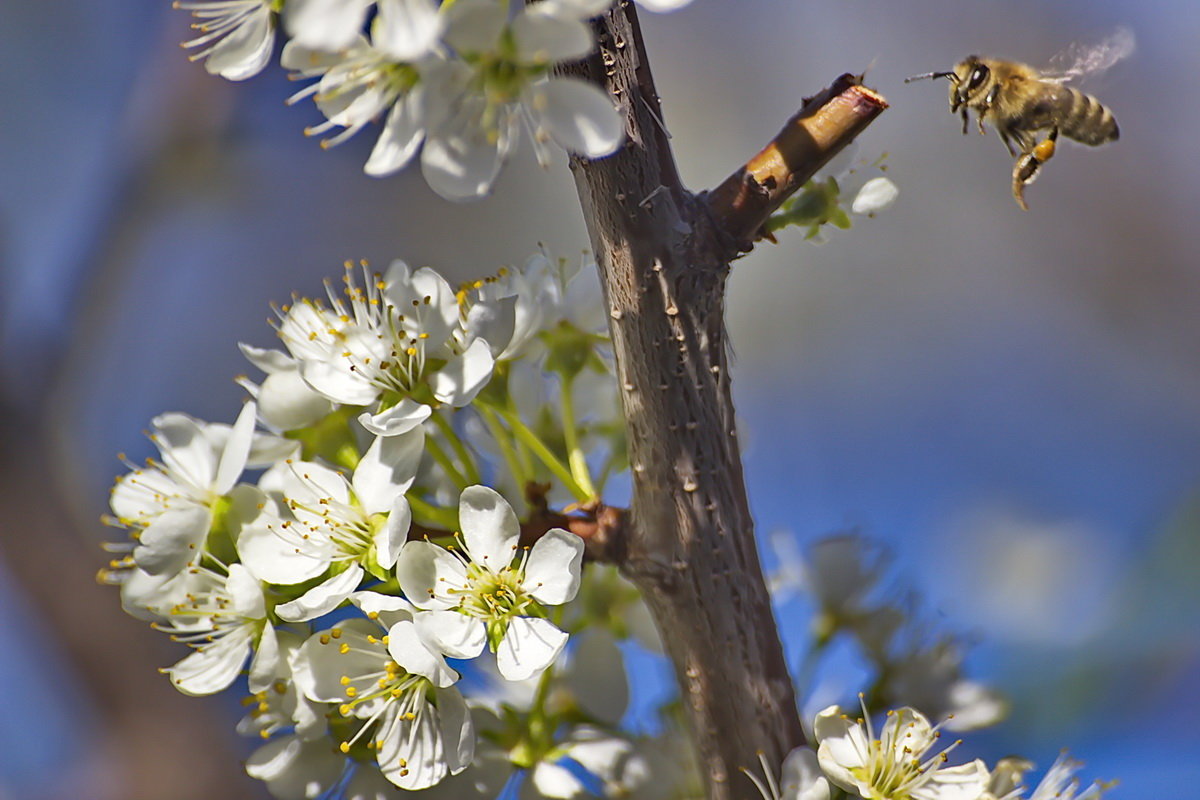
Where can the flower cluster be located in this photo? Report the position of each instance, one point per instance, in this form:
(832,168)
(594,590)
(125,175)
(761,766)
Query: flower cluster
(334,545)
(452,80)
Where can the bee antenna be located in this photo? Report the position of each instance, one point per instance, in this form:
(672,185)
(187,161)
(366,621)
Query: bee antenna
(934,75)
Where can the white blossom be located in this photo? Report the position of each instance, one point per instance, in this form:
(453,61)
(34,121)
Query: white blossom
(223,618)
(324,520)
(930,678)
(397,338)
(480,597)
(396,694)
(171,503)
(898,763)
(505,78)
(235,37)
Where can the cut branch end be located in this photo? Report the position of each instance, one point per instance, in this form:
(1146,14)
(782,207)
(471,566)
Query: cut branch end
(825,124)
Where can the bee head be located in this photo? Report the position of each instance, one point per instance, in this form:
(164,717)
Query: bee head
(969,78)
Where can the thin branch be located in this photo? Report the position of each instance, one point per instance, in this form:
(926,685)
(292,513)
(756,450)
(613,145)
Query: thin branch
(602,529)
(827,122)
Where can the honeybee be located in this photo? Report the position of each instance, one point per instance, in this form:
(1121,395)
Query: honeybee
(1021,102)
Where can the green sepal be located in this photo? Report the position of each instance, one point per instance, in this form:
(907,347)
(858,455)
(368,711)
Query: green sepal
(495,633)
(570,350)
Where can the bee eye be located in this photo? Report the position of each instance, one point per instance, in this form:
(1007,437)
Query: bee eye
(978,76)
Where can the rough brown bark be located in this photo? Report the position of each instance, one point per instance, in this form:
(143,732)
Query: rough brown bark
(689,542)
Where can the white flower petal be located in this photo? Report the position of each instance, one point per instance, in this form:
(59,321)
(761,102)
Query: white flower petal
(336,382)
(246,592)
(246,49)
(544,35)
(387,469)
(214,667)
(475,25)
(394,533)
(295,769)
(528,647)
(328,25)
(457,635)
(270,555)
(237,450)
(322,598)
(464,376)
(489,527)
(402,134)
(552,570)
(172,540)
(577,115)
(409,650)
(875,195)
(405,30)
(427,573)
(264,666)
(437,309)
(460,160)
(186,449)
(458,734)
(382,605)
(269,361)
(802,778)
(558,782)
(410,751)
(400,418)
(287,402)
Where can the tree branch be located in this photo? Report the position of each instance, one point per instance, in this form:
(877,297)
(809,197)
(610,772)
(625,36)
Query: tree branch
(663,258)
(828,122)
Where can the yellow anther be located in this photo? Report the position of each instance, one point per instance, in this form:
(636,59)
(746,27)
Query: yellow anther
(344,747)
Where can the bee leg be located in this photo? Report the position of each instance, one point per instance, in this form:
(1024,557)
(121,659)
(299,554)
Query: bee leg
(1029,165)
(985,106)
(1007,139)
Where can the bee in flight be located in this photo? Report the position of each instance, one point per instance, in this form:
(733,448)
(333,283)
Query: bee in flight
(1021,103)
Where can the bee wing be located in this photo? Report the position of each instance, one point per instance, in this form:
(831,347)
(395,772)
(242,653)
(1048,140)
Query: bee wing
(1079,59)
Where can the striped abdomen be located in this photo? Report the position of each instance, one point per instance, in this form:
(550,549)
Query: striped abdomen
(1078,116)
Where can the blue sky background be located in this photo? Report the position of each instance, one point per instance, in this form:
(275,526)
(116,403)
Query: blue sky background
(1008,400)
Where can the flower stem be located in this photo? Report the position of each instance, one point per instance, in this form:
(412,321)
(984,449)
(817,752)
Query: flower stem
(521,473)
(544,454)
(445,462)
(575,457)
(460,449)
